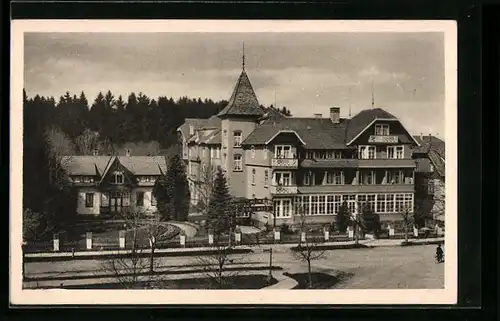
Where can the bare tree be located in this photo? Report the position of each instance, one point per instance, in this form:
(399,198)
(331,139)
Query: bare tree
(307,250)
(407,218)
(203,185)
(132,268)
(214,265)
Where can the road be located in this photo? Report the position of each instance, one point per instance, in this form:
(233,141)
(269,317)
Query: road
(376,268)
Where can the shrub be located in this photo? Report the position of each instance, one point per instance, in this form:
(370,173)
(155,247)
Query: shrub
(285,229)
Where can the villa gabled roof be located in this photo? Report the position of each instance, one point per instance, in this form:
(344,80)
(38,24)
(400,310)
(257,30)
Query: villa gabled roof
(98,165)
(243,101)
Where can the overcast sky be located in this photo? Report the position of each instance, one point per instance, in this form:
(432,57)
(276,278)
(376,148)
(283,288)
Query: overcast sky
(308,72)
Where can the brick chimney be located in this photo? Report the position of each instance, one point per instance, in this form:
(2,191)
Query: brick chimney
(335,115)
(318,115)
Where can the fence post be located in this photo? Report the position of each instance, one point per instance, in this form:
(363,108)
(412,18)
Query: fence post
(183,240)
(351,232)
(415,232)
(276,235)
(237,238)
(391,231)
(121,236)
(327,235)
(89,240)
(56,242)
(303,237)
(210,239)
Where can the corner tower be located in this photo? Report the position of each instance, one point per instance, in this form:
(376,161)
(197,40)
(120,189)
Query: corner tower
(238,119)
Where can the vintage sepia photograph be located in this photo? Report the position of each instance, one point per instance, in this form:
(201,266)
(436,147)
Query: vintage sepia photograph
(233,155)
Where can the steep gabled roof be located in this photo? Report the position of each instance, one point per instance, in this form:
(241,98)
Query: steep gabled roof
(213,122)
(243,101)
(317,133)
(362,120)
(99,165)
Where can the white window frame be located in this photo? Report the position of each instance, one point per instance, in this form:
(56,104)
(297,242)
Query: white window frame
(380,129)
(391,173)
(238,138)
(237,163)
(373,180)
(332,176)
(396,149)
(254,174)
(364,152)
(116,175)
(266,178)
(283,148)
(90,196)
(307,178)
(282,174)
(278,209)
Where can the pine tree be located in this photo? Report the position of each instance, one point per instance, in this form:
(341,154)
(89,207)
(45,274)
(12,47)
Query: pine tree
(172,191)
(220,214)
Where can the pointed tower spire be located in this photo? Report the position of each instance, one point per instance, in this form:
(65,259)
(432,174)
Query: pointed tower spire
(349,102)
(373,97)
(243,60)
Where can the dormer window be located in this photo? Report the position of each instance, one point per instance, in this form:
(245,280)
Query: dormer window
(118,176)
(237,138)
(381,129)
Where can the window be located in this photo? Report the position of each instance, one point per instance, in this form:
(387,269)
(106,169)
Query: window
(389,198)
(408,203)
(430,187)
(153,199)
(366,177)
(370,202)
(395,177)
(381,208)
(330,204)
(366,152)
(307,178)
(400,203)
(89,199)
(204,168)
(118,178)
(320,155)
(334,154)
(237,138)
(321,204)
(252,151)
(104,199)
(334,178)
(140,199)
(224,132)
(431,168)
(77,179)
(237,163)
(283,178)
(282,151)
(314,204)
(382,129)
(253,176)
(395,152)
(266,178)
(282,208)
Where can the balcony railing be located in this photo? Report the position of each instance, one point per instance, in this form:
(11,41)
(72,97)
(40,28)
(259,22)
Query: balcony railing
(285,162)
(359,163)
(283,189)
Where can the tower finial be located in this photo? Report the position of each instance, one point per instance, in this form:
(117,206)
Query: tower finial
(243,56)
(373,97)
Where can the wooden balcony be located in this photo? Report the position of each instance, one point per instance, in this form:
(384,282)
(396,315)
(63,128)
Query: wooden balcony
(285,163)
(358,163)
(283,189)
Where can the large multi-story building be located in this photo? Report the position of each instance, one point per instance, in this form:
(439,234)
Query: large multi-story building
(430,176)
(310,165)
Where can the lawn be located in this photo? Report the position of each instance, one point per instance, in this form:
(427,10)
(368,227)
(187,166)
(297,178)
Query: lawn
(319,280)
(238,282)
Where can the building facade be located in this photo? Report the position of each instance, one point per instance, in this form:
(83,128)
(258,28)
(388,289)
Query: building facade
(430,176)
(107,185)
(306,166)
